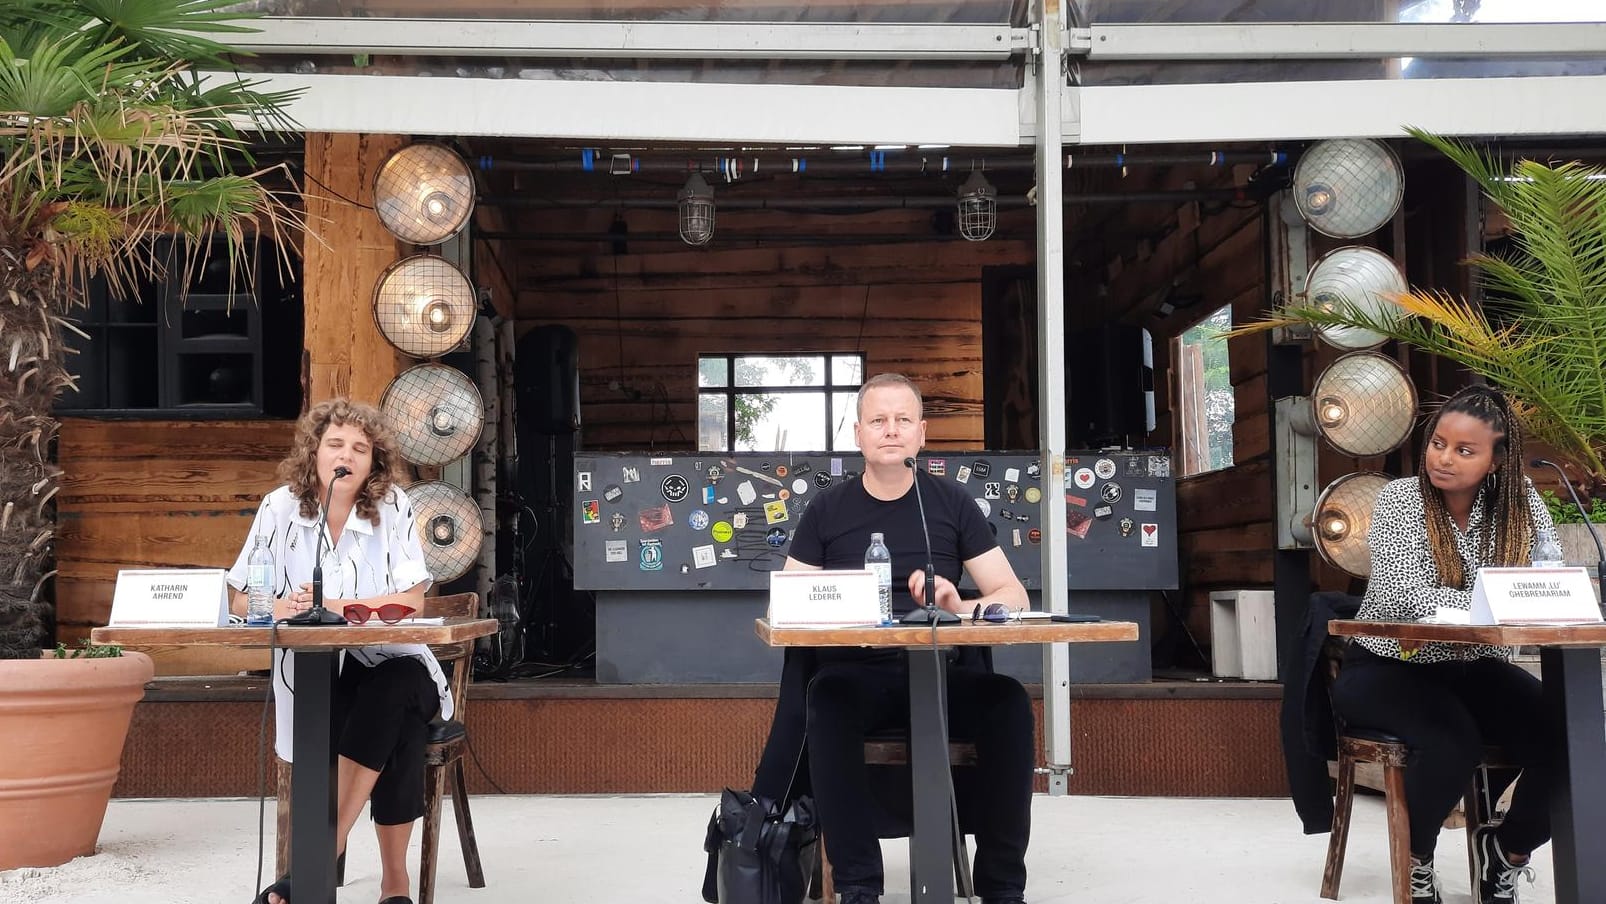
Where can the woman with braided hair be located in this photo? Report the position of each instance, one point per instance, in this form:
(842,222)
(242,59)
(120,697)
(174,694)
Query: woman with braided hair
(1470,506)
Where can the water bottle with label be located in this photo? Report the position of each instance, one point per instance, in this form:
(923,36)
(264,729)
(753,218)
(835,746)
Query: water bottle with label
(1547,549)
(878,560)
(259,583)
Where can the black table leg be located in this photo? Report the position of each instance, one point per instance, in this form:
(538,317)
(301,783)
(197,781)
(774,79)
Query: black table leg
(931,855)
(312,776)
(1572,677)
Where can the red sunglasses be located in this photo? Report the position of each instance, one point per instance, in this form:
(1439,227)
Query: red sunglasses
(390,613)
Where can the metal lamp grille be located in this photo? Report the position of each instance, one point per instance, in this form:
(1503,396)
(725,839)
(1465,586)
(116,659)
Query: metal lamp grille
(450,528)
(424,306)
(978,208)
(1364,404)
(1348,187)
(696,206)
(424,194)
(436,411)
(1364,278)
(1343,518)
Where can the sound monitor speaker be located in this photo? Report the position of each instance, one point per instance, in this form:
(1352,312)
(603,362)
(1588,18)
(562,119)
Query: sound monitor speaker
(547,381)
(1109,386)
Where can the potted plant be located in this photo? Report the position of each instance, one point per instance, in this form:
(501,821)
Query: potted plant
(1540,333)
(1573,530)
(109,140)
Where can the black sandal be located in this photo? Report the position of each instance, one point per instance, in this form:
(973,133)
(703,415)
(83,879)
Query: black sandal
(397,899)
(280,888)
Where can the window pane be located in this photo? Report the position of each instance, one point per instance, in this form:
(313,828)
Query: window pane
(712,371)
(844,412)
(1204,395)
(711,416)
(780,421)
(847,370)
(780,370)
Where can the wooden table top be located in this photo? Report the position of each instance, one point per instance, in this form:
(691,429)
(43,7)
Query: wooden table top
(1588,635)
(963,634)
(454,629)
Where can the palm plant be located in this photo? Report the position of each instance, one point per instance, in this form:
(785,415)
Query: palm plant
(1540,333)
(110,141)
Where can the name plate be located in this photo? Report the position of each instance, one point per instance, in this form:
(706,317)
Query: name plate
(823,599)
(170,598)
(1534,596)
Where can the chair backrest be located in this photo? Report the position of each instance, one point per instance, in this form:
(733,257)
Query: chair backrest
(460,654)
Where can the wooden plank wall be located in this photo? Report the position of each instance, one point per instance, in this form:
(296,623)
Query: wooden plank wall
(643,317)
(157,494)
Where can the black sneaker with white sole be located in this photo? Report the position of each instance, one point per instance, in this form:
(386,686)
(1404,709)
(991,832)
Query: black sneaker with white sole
(1424,883)
(1497,875)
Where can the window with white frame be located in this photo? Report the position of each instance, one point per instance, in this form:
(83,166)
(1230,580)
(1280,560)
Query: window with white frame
(1204,395)
(777,403)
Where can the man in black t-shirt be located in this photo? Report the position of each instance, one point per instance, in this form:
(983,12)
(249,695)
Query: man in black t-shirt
(856,692)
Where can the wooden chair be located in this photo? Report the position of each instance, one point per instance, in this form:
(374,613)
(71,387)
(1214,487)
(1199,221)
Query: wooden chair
(443,755)
(1357,746)
(894,751)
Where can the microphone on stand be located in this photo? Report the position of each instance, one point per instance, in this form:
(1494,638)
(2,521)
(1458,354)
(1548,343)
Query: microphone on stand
(930,615)
(1600,564)
(318,616)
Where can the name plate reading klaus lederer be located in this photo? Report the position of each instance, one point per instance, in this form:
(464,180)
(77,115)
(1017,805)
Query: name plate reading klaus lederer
(823,599)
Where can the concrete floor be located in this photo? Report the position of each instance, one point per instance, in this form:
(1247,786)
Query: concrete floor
(639,849)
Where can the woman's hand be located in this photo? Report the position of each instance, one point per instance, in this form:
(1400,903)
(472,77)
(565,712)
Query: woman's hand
(298,601)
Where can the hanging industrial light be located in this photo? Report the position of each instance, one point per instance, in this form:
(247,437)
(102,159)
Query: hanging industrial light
(1364,404)
(450,528)
(424,193)
(1343,518)
(1348,187)
(1359,279)
(978,208)
(436,411)
(424,306)
(696,203)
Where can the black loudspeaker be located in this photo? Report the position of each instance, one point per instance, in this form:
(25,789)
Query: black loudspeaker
(547,381)
(1109,385)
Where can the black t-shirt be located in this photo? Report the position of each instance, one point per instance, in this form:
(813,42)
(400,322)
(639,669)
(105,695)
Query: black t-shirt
(835,531)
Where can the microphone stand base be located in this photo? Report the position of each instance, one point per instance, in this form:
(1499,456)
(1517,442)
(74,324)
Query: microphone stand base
(929,616)
(317,617)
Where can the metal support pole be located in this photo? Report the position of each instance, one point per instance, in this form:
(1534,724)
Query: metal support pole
(1050,86)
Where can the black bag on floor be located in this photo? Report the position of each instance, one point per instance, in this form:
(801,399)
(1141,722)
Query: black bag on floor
(757,855)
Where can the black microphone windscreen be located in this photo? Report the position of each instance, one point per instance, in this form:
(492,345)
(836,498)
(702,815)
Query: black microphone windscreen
(909,463)
(1538,463)
(342,472)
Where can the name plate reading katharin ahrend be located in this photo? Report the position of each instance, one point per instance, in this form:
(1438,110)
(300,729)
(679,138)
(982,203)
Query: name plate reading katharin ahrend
(823,599)
(170,597)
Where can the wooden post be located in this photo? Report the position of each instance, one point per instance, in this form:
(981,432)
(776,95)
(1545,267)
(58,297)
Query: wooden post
(346,251)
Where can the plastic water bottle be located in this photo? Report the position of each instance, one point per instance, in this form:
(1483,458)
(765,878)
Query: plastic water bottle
(259,584)
(878,560)
(1547,550)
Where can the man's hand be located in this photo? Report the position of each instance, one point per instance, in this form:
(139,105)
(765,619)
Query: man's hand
(947,593)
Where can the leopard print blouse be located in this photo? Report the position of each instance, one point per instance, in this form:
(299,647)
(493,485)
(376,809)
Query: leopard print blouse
(1405,586)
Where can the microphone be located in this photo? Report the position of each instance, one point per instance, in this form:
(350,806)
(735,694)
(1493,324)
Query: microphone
(318,616)
(931,615)
(1600,564)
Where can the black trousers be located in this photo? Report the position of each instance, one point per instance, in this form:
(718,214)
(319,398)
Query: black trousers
(848,700)
(383,715)
(1445,712)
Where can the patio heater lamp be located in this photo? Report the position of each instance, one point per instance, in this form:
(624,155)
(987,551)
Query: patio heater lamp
(450,527)
(436,411)
(424,306)
(1362,279)
(1348,187)
(424,193)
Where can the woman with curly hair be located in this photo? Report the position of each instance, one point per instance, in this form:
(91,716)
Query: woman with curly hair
(387,694)
(1470,506)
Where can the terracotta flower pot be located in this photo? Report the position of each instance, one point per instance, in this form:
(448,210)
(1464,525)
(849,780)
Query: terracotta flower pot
(62,727)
